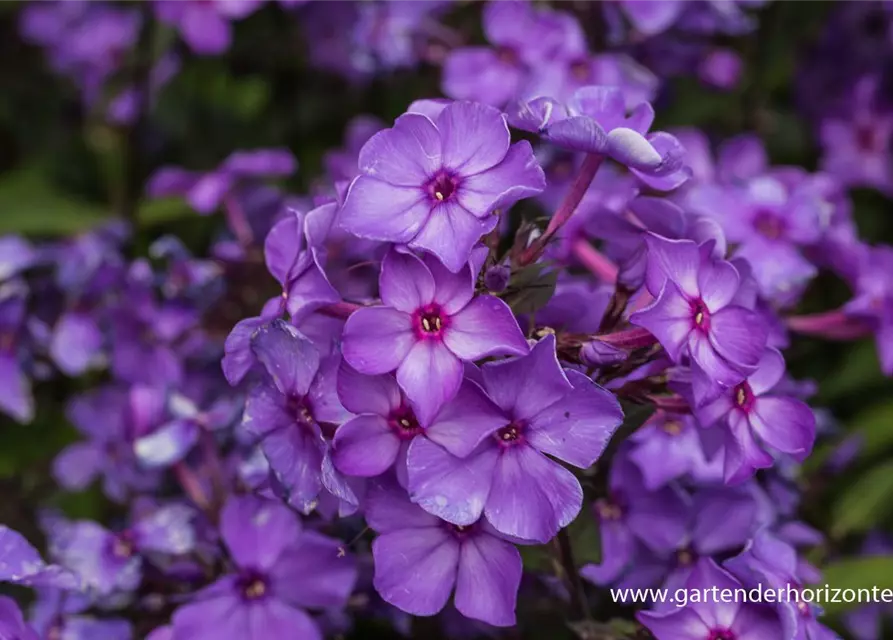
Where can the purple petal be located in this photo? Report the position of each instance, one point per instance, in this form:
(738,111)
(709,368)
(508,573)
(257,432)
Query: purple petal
(742,453)
(710,368)
(291,359)
(283,247)
(365,446)
(617,550)
(168,444)
(313,574)
(536,115)
(678,260)
(517,176)
(475,137)
(452,291)
(262,162)
(430,376)
(485,327)
(532,497)
(272,618)
(367,394)
(77,465)
(295,455)
(724,520)
(167,530)
(415,569)
(523,386)
(77,340)
(449,233)
(787,424)
(466,420)
(12,624)
(257,530)
(211,617)
(209,191)
(650,17)
(238,357)
(718,283)
(377,339)
(669,319)
(309,291)
(406,155)
(769,372)
(377,210)
(577,428)
(681,624)
(578,133)
(405,282)
(477,73)
(15,390)
(739,335)
(205,31)
(171,181)
(451,488)
(389,509)
(488,580)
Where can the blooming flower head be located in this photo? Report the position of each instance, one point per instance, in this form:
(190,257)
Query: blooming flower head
(499,467)
(433,183)
(596,121)
(712,619)
(694,315)
(420,559)
(429,323)
(279,572)
(759,418)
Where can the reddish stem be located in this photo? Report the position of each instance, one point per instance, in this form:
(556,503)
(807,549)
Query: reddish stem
(566,209)
(594,260)
(340,309)
(833,325)
(237,220)
(192,486)
(632,338)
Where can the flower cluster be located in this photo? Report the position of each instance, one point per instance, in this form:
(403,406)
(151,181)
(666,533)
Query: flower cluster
(498,319)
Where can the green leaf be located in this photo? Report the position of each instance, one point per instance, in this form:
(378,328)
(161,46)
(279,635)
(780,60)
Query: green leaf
(531,288)
(864,503)
(585,542)
(29,204)
(862,573)
(860,369)
(875,426)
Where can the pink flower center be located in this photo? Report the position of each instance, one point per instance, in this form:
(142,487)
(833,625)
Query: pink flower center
(769,225)
(404,423)
(685,557)
(581,70)
(700,315)
(253,586)
(744,396)
(608,510)
(442,187)
(460,530)
(721,634)
(429,322)
(672,427)
(510,435)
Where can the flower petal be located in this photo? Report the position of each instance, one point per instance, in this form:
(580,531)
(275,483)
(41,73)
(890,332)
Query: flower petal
(311,573)
(377,339)
(407,154)
(365,446)
(485,327)
(451,488)
(718,282)
(360,393)
(257,530)
(380,211)
(532,497)
(739,335)
(291,359)
(669,319)
(488,580)
(388,509)
(475,137)
(518,176)
(405,282)
(466,420)
(787,424)
(430,376)
(449,233)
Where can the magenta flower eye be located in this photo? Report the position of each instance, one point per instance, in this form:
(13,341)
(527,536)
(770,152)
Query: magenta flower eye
(510,435)
(722,634)
(443,186)
(430,321)
(253,586)
(769,225)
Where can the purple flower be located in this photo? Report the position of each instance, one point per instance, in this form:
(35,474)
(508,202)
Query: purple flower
(873,300)
(15,386)
(288,410)
(434,184)
(713,620)
(430,322)
(596,121)
(279,573)
(379,437)
(757,419)
(204,24)
(64,614)
(695,316)
(420,559)
(294,251)
(503,472)
(112,561)
(206,192)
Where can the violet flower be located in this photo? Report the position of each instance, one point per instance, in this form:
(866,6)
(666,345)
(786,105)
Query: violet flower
(434,183)
(203,24)
(713,620)
(15,386)
(758,419)
(420,559)
(379,436)
(288,409)
(596,121)
(694,315)
(21,564)
(503,472)
(279,572)
(430,323)
(12,624)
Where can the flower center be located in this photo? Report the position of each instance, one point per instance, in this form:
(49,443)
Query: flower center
(253,586)
(769,225)
(672,427)
(721,634)
(700,315)
(122,547)
(581,70)
(404,423)
(685,558)
(608,510)
(867,138)
(510,435)
(429,322)
(442,187)
(744,396)
(507,55)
